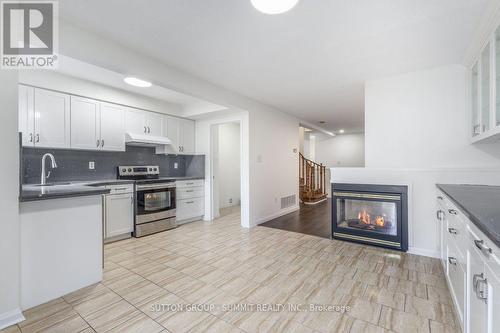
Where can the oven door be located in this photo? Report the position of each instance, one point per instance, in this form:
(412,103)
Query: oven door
(155,202)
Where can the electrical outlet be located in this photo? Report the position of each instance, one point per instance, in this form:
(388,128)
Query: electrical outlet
(230,200)
(91,165)
(176,165)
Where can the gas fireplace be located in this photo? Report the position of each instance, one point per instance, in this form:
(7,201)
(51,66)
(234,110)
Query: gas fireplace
(371,214)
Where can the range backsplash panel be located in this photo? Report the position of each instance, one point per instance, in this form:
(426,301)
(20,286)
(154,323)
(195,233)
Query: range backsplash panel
(73,165)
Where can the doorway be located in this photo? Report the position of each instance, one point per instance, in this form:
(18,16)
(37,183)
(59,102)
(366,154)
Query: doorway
(226,169)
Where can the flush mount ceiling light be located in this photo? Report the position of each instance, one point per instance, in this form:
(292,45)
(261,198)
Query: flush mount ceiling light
(274,6)
(133,81)
(341,131)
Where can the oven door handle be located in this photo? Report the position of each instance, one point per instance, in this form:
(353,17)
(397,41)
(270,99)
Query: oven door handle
(154,187)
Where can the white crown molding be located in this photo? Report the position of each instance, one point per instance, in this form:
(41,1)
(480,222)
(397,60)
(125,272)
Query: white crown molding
(489,21)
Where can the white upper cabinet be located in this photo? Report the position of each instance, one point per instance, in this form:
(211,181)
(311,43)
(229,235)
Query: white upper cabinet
(27,114)
(52,119)
(485,92)
(172,129)
(143,122)
(187,136)
(112,120)
(85,123)
(154,123)
(182,134)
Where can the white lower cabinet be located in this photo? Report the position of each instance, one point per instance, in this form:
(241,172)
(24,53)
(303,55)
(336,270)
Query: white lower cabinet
(119,213)
(472,268)
(190,200)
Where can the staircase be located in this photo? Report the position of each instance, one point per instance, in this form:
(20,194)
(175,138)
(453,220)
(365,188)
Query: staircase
(312,181)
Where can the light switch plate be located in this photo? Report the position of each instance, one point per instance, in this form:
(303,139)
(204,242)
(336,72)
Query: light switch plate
(91,165)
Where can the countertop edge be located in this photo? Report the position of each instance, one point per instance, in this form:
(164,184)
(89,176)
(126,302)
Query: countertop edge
(471,217)
(74,194)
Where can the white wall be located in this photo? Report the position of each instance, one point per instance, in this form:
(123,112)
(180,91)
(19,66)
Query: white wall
(229,164)
(346,150)
(50,79)
(274,166)
(419,120)
(9,208)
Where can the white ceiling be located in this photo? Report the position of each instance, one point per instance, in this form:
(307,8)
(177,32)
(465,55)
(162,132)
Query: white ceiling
(311,62)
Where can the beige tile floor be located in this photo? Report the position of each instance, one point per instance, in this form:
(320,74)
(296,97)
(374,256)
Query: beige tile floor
(220,263)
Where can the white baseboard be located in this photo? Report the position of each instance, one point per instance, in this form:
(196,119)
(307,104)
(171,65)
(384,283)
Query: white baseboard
(423,252)
(10,318)
(278,214)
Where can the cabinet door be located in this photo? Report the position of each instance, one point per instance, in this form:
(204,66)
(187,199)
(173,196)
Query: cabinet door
(154,124)
(186,134)
(85,127)
(135,121)
(112,127)
(190,208)
(493,285)
(52,119)
(476,306)
(27,114)
(119,215)
(173,133)
(485,88)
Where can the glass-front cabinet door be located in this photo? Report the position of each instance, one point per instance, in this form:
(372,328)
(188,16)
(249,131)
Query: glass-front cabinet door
(497,76)
(485,89)
(476,125)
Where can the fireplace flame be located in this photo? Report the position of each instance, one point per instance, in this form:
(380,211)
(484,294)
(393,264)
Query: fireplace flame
(364,217)
(379,221)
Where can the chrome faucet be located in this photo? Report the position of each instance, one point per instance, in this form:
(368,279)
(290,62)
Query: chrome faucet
(54,165)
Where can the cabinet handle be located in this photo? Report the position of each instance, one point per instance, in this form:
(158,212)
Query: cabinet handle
(188,191)
(98,143)
(452,211)
(38,138)
(149,129)
(145,129)
(480,245)
(477,281)
(102,143)
(452,261)
(439,214)
(440,197)
(189,202)
(31,137)
(452,231)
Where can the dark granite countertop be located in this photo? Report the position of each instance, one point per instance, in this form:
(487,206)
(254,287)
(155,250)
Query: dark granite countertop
(480,203)
(34,192)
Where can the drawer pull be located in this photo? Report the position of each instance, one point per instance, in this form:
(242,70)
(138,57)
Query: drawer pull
(440,197)
(189,202)
(452,231)
(439,215)
(189,191)
(121,188)
(452,211)
(480,245)
(452,261)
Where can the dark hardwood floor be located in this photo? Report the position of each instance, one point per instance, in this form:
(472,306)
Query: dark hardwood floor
(310,219)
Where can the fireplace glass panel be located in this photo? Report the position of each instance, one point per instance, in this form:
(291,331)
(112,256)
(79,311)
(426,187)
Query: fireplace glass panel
(373,216)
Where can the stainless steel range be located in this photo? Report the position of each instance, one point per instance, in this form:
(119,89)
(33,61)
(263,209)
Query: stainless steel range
(154,199)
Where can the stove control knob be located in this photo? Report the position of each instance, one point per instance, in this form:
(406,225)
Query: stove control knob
(150,169)
(156,169)
(124,170)
(129,170)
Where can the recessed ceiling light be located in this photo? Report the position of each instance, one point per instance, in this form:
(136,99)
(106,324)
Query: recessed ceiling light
(341,131)
(133,81)
(274,6)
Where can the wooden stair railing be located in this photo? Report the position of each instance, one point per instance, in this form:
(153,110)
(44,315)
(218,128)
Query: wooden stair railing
(312,180)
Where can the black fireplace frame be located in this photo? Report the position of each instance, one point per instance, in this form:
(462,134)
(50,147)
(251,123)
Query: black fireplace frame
(396,242)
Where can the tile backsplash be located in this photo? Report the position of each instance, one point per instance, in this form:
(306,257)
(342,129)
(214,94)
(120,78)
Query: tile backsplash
(73,165)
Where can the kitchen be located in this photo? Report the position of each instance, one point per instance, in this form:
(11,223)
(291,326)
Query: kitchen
(115,171)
